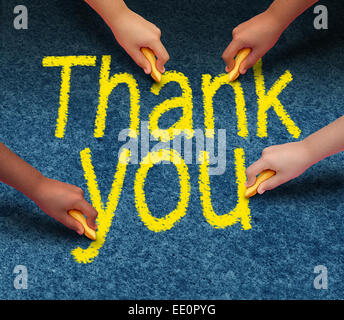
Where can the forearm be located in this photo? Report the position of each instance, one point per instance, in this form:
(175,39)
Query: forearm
(15,172)
(287,11)
(108,9)
(327,141)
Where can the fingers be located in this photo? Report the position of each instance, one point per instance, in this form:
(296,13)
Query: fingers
(90,213)
(230,53)
(253,170)
(250,61)
(271,183)
(161,54)
(159,51)
(71,223)
(141,61)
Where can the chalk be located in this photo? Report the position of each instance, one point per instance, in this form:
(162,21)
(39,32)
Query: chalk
(148,53)
(78,216)
(240,57)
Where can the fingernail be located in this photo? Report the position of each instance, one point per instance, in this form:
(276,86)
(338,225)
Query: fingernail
(79,232)
(261,191)
(246,184)
(163,69)
(243,71)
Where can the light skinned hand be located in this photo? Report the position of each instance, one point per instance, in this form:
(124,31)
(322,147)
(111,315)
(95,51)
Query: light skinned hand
(259,33)
(287,160)
(56,198)
(133,32)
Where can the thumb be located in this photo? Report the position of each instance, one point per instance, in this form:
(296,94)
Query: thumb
(270,184)
(249,62)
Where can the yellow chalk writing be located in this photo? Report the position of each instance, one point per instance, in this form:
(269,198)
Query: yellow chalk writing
(184,124)
(66,62)
(167,222)
(266,100)
(106,86)
(209,88)
(241,211)
(105,214)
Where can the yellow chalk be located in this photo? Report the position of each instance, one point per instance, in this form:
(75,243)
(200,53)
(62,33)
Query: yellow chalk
(148,53)
(241,56)
(78,216)
(264,175)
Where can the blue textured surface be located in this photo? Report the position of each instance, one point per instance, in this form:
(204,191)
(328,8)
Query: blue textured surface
(294,228)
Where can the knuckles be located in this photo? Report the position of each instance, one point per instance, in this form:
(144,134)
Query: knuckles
(225,56)
(158,32)
(268,156)
(80,192)
(77,195)
(267,151)
(248,172)
(235,32)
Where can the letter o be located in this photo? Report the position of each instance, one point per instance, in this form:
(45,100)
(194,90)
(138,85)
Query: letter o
(167,222)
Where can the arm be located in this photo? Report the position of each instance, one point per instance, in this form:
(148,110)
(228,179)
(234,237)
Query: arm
(262,31)
(286,11)
(15,172)
(327,141)
(292,159)
(108,9)
(132,32)
(55,198)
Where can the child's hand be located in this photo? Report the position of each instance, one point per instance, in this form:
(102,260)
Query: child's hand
(56,198)
(288,160)
(259,33)
(134,32)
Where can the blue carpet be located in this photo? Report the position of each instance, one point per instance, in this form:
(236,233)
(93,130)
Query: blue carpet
(293,228)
